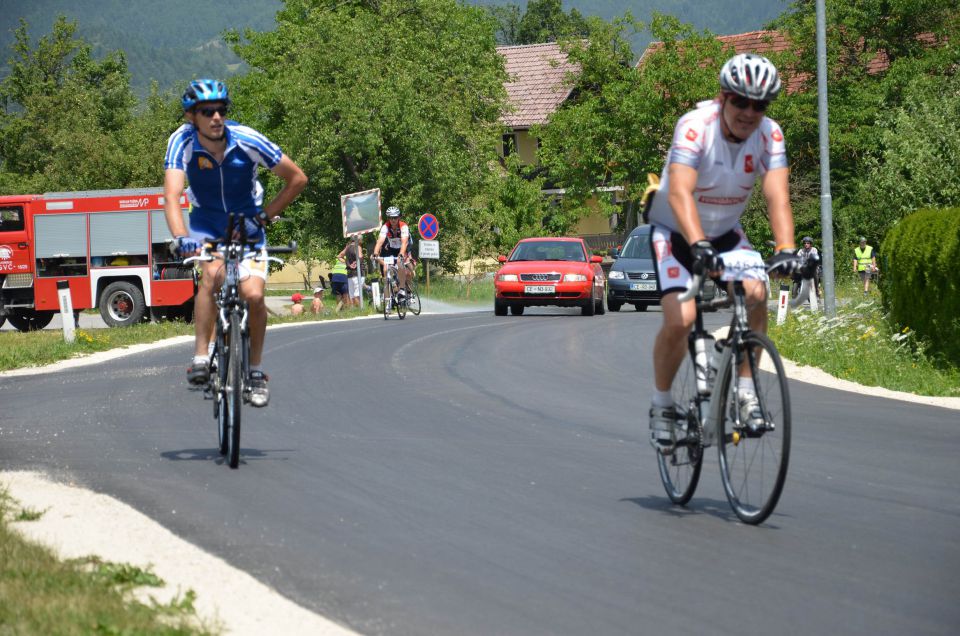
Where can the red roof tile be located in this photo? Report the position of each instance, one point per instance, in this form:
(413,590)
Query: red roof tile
(538,82)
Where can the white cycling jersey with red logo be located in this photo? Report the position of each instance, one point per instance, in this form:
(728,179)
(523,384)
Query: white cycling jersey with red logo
(726,171)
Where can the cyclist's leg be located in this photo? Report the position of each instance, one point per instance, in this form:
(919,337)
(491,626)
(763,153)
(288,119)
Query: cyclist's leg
(251,290)
(204,317)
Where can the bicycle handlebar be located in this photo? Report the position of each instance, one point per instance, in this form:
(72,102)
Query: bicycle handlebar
(806,272)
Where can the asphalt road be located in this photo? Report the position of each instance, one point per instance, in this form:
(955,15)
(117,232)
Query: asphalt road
(466,474)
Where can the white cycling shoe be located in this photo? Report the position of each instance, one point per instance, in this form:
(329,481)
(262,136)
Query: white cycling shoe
(662,422)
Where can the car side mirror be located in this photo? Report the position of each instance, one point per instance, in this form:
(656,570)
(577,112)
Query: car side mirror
(596,259)
(501,258)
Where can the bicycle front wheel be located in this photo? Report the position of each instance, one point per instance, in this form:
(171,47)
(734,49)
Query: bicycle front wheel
(680,470)
(234,390)
(218,365)
(386,298)
(401,305)
(754,459)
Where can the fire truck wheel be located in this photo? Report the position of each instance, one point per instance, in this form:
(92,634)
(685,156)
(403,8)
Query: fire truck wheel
(122,304)
(29,319)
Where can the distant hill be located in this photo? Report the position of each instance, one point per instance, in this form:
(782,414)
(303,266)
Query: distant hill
(168,41)
(175,40)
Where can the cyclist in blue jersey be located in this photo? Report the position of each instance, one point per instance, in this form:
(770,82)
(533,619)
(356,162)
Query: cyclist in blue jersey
(220,159)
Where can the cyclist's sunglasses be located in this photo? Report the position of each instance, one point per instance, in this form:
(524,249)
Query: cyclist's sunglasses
(209,111)
(742,103)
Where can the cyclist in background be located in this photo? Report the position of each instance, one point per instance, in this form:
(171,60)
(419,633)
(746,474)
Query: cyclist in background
(220,159)
(393,240)
(718,151)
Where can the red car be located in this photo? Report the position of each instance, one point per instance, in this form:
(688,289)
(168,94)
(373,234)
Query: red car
(550,271)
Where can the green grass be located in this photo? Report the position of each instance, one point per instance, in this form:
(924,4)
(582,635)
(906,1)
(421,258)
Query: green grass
(40,594)
(859,344)
(458,291)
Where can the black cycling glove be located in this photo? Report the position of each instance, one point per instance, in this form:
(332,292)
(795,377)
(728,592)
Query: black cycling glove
(705,257)
(785,262)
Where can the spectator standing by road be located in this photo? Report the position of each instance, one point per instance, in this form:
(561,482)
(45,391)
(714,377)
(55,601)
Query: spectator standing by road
(352,254)
(864,263)
(805,253)
(338,282)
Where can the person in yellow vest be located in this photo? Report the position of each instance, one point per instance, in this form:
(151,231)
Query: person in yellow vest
(864,263)
(338,282)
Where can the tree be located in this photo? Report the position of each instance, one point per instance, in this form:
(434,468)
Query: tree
(618,125)
(66,117)
(545,21)
(401,95)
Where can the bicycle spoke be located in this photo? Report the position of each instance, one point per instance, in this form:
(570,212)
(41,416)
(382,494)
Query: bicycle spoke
(753,461)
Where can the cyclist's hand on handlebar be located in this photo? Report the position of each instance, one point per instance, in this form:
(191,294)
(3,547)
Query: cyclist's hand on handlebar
(785,262)
(186,246)
(705,257)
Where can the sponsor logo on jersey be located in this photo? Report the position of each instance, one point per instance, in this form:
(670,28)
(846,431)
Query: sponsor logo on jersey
(662,248)
(691,134)
(748,164)
(204,164)
(777,135)
(722,200)
(673,272)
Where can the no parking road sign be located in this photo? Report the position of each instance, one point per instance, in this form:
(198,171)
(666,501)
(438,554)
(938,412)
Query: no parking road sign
(428,226)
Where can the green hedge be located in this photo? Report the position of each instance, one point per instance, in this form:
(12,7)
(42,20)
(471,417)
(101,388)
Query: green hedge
(921,281)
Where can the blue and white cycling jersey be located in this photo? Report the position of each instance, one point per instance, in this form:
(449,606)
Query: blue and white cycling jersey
(228,186)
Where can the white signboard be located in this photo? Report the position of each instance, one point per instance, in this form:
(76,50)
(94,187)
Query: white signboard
(429,249)
(361,212)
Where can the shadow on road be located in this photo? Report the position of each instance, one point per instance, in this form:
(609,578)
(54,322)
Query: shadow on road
(208,454)
(715,507)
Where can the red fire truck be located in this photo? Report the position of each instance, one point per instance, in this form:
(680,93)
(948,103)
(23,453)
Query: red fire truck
(110,245)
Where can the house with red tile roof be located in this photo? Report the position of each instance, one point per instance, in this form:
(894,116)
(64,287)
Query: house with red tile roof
(539,82)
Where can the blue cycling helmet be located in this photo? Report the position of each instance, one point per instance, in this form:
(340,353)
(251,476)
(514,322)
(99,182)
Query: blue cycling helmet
(204,90)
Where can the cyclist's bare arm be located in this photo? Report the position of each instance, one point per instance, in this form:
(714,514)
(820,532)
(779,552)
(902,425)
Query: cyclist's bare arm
(174,180)
(295,181)
(683,182)
(776,190)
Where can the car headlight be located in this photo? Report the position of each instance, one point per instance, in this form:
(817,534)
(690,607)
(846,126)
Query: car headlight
(508,278)
(574,278)
(614,274)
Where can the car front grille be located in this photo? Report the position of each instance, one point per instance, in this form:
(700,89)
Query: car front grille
(641,276)
(540,278)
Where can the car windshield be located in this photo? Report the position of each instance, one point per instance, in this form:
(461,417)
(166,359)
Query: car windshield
(638,246)
(548,251)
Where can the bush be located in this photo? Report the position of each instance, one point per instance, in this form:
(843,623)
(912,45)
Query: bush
(920,284)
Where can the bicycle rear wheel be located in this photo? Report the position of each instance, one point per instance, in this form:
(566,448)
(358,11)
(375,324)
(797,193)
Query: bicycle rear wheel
(753,463)
(680,471)
(401,305)
(234,390)
(413,299)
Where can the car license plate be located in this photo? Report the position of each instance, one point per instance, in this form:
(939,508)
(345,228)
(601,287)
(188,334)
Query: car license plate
(643,286)
(540,289)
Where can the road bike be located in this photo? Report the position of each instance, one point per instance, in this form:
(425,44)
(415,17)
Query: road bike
(229,384)
(753,457)
(390,299)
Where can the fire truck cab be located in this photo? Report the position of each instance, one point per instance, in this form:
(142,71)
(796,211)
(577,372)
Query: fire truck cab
(111,246)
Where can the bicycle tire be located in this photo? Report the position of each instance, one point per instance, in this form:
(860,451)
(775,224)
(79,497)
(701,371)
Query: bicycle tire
(413,299)
(753,465)
(386,297)
(401,306)
(234,389)
(219,393)
(680,470)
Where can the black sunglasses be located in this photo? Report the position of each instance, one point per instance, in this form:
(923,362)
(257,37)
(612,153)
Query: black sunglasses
(209,111)
(742,103)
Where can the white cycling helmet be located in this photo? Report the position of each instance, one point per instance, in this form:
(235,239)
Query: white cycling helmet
(393,212)
(750,76)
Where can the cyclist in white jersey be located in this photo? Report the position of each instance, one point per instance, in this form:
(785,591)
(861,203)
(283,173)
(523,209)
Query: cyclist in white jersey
(718,152)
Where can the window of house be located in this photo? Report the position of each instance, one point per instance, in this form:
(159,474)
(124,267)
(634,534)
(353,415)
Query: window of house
(509,144)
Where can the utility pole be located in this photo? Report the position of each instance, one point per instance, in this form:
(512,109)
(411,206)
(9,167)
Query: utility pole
(826,199)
